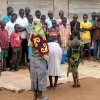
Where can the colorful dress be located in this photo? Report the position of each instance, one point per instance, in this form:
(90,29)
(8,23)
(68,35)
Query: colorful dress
(74,56)
(38,60)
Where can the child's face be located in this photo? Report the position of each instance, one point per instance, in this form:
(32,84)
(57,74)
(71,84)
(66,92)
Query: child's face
(30,19)
(75,18)
(85,18)
(64,22)
(17,28)
(54,23)
(27,11)
(38,15)
(10,11)
(21,14)
(13,18)
(43,19)
(61,15)
(3,25)
(50,15)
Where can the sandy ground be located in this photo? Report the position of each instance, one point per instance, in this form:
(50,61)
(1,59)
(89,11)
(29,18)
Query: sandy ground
(89,90)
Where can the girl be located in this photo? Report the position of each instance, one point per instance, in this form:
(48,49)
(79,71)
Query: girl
(55,55)
(74,57)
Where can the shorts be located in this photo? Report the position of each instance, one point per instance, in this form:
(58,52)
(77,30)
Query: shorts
(4,53)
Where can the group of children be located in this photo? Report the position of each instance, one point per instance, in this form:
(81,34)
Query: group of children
(24,39)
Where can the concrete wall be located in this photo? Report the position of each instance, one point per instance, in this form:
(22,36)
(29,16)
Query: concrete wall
(69,6)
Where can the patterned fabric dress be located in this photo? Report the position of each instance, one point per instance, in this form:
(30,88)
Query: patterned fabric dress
(74,55)
(38,60)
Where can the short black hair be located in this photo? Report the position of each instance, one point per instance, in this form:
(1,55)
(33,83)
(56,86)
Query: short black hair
(14,14)
(37,11)
(21,10)
(8,8)
(85,15)
(43,16)
(64,19)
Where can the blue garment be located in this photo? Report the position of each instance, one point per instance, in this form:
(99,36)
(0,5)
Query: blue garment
(49,23)
(97,48)
(5,19)
(29,52)
(29,28)
(91,20)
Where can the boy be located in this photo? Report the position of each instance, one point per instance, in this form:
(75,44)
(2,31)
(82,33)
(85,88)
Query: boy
(54,32)
(65,33)
(75,25)
(29,31)
(85,28)
(23,22)
(49,19)
(92,20)
(96,37)
(74,57)
(16,41)
(4,44)
(10,28)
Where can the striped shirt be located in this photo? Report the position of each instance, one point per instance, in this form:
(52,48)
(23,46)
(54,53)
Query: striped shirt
(65,32)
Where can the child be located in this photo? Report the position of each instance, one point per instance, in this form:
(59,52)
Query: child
(16,47)
(29,31)
(55,55)
(4,44)
(74,57)
(65,33)
(54,32)
(85,28)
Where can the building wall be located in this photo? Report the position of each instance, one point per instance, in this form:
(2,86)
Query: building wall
(69,6)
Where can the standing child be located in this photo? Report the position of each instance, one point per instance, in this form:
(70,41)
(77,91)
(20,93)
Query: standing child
(16,47)
(4,44)
(85,28)
(74,57)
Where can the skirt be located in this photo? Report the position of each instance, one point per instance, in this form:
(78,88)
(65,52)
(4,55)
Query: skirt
(38,74)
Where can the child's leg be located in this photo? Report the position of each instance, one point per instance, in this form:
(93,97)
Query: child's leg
(77,79)
(56,80)
(14,58)
(50,80)
(74,79)
(18,58)
(4,64)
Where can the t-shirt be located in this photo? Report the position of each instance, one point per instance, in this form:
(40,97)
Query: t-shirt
(4,38)
(23,22)
(10,28)
(86,34)
(49,22)
(15,39)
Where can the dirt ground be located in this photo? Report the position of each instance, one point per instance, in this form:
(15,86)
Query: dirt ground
(89,90)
